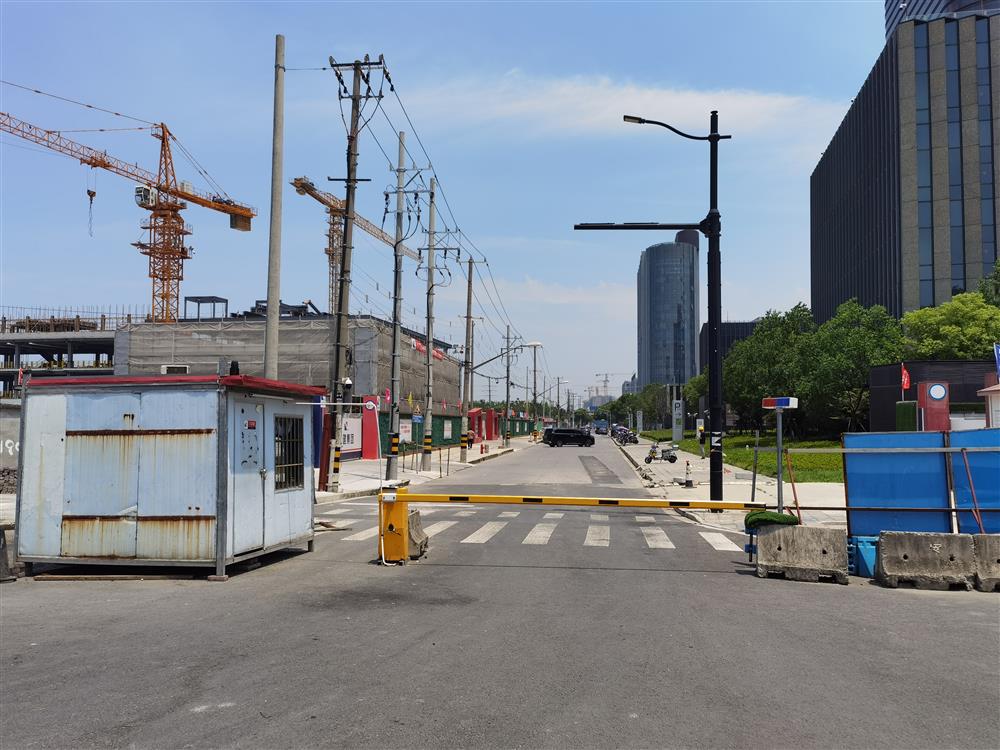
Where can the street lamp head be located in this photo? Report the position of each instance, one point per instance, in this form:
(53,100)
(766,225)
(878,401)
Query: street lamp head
(534,343)
(634,120)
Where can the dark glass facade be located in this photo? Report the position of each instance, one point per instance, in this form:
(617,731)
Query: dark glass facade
(854,201)
(897,11)
(668,291)
(903,206)
(729,333)
(985,108)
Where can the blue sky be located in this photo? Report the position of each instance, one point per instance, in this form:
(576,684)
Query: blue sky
(519,107)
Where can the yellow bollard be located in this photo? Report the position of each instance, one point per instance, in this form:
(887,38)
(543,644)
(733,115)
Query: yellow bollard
(394,535)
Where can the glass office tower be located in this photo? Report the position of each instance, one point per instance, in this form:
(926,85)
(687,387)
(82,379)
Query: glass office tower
(668,292)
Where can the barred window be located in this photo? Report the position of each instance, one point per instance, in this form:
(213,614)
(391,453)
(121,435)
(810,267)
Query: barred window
(288,453)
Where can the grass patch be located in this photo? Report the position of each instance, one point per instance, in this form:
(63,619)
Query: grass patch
(738,451)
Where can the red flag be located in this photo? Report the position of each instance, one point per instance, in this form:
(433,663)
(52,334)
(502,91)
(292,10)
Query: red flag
(905,376)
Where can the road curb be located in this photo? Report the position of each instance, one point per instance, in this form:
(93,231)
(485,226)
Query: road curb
(335,496)
(488,456)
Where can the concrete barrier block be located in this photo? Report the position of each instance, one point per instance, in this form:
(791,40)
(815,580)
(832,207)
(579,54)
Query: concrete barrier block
(987,548)
(928,561)
(802,553)
(418,537)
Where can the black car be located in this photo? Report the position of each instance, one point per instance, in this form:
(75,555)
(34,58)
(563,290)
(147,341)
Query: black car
(556,437)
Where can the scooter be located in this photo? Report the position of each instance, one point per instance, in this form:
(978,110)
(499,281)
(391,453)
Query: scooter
(665,454)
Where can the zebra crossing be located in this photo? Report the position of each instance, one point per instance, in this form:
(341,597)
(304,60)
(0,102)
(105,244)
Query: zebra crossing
(490,524)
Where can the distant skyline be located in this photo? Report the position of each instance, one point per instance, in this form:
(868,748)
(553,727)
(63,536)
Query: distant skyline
(518,105)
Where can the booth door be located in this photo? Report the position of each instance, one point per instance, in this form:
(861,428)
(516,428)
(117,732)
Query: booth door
(249,484)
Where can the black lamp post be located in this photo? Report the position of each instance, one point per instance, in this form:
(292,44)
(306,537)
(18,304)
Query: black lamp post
(711,227)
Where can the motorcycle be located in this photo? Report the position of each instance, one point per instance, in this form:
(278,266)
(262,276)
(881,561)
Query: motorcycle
(665,454)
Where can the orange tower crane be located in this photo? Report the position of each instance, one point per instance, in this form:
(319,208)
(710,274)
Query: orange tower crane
(160,194)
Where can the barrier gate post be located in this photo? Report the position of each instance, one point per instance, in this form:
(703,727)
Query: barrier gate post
(394,531)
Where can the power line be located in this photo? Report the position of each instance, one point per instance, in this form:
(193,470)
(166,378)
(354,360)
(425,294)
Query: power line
(74,101)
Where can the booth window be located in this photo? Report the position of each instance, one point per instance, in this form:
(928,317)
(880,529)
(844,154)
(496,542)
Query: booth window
(288,455)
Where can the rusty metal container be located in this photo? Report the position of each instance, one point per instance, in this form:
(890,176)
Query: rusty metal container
(174,470)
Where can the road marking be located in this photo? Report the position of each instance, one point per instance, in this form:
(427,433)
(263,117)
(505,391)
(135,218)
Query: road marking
(645,519)
(656,538)
(464,513)
(540,533)
(598,516)
(344,522)
(337,512)
(485,533)
(554,515)
(598,536)
(510,514)
(437,528)
(362,535)
(719,542)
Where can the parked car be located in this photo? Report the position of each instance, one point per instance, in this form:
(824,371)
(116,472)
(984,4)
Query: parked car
(567,436)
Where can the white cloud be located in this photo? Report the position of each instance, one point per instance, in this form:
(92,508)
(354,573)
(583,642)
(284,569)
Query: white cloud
(595,105)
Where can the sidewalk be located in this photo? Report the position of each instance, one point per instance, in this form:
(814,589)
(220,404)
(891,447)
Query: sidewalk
(361,477)
(737,487)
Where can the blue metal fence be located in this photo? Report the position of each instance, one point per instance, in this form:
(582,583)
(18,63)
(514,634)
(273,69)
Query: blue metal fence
(985,471)
(896,480)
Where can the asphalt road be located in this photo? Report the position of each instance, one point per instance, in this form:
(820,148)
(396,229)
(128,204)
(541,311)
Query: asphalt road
(495,642)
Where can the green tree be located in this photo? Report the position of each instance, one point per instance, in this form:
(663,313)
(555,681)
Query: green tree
(989,286)
(695,388)
(964,328)
(837,360)
(582,416)
(768,363)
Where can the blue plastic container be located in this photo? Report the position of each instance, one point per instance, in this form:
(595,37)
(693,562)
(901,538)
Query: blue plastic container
(861,551)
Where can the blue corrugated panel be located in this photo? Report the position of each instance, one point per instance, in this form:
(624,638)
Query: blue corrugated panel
(985,469)
(896,480)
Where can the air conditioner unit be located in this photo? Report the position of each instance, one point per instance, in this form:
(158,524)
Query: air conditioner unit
(173,369)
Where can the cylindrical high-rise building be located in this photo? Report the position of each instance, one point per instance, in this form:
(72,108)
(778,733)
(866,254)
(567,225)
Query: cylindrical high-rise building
(668,293)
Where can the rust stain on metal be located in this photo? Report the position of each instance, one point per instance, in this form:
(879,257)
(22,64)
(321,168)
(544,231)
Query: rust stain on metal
(139,433)
(151,537)
(98,536)
(176,537)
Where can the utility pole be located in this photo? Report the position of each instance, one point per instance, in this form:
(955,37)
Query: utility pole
(534,388)
(274,239)
(344,292)
(558,402)
(392,460)
(429,401)
(506,414)
(711,227)
(466,391)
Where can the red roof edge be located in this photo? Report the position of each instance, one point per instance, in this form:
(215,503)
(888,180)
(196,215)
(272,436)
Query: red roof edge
(247,382)
(251,382)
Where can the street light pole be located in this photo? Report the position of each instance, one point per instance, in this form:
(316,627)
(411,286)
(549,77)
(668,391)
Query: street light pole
(711,227)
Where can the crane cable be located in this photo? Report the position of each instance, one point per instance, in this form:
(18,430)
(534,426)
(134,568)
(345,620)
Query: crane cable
(74,101)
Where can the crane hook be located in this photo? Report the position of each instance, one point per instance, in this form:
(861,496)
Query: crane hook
(91,194)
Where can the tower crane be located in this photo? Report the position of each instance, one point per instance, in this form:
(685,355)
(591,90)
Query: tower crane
(160,194)
(335,208)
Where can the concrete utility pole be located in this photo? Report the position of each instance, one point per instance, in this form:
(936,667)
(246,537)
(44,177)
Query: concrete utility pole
(392,460)
(344,292)
(425,464)
(274,240)
(534,388)
(506,414)
(467,389)
(558,402)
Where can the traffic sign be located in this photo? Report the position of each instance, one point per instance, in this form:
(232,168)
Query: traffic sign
(780,402)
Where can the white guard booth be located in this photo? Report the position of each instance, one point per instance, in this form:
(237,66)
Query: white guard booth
(173,470)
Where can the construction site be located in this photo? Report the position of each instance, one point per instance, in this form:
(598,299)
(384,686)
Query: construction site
(352,354)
